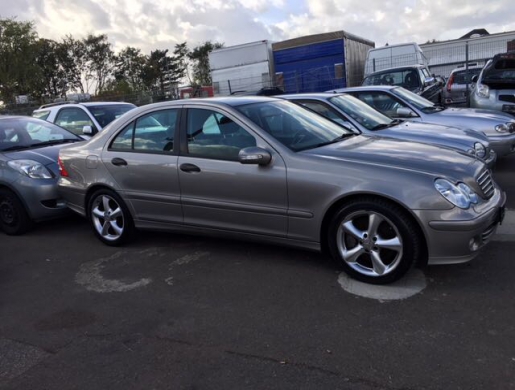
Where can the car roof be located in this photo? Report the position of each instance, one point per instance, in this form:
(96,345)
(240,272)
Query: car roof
(317,95)
(365,88)
(396,68)
(85,104)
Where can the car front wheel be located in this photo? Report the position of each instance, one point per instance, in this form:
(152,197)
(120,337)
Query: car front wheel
(14,219)
(374,241)
(110,217)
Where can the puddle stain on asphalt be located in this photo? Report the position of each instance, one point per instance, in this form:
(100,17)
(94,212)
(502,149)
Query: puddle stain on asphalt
(90,275)
(182,261)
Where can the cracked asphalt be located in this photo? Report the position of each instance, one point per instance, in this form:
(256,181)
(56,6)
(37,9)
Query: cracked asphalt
(180,312)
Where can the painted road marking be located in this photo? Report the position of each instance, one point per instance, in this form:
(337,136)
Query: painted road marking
(410,284)
(90,275)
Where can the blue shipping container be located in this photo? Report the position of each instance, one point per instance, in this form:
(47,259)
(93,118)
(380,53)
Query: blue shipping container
(315,67)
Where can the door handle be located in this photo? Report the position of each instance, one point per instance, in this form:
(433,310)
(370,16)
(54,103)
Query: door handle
(118,161)
(189,168)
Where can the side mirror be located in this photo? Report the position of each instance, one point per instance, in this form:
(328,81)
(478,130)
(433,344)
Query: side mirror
(429,80)
(254,155)
(88,130)
(404,112)
(474,78)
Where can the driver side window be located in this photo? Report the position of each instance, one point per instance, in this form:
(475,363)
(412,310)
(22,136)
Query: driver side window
(382,102)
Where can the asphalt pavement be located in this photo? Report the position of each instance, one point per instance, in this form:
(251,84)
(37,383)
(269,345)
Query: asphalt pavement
(180,312)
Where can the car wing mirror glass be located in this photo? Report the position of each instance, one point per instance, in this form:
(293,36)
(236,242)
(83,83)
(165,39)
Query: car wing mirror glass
(405,112)
(254,155)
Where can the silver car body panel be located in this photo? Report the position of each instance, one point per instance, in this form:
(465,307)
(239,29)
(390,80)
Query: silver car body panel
(288,200)
(480,120)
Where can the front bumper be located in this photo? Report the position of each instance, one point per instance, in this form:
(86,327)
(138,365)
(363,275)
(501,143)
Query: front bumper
(40,198)
(502,144)
(456,236)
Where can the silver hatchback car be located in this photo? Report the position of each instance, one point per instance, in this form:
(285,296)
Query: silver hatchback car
(266,169)
(29,173)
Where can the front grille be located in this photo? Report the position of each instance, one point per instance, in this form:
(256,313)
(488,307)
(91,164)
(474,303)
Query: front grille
(507,98)
(485,236)
(486,184)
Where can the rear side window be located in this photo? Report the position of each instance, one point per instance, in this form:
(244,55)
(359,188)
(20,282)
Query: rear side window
(464,77)
(154,132)
(41,114)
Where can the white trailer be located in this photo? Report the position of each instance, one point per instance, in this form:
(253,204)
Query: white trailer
(246,67)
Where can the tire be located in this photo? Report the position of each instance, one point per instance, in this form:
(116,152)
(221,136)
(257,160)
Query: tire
(373,240)
(110,218)
(14,219)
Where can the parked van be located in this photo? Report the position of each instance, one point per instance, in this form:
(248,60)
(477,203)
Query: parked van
(394,56)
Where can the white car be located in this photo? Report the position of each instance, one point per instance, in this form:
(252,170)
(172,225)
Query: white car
(83,119)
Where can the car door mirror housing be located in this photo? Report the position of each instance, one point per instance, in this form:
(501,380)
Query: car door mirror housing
(88,130)
(404,112)
(254,155)
(474,78)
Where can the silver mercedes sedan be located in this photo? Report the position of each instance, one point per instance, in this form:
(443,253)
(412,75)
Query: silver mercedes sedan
(397,102)
(266,169)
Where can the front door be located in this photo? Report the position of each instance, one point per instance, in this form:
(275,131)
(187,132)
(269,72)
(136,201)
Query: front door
(219,192)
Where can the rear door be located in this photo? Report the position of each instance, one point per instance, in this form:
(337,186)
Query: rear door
(219,192)
(142,159)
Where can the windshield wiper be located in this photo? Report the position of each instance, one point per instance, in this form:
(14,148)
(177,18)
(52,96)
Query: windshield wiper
(433,108)
(55,142)
(15,147)
(381,126)
(333,141)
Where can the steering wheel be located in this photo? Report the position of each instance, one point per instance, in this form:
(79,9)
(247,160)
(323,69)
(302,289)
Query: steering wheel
(298,137)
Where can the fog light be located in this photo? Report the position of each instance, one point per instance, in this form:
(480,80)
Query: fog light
(474,244)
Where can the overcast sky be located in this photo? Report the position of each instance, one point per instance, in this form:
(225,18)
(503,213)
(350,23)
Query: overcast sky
(160,24)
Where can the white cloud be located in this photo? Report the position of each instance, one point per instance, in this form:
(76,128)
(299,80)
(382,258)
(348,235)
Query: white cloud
(151,24)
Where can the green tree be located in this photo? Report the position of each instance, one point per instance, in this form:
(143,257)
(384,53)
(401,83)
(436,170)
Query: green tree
(19,73)
(200,59)
(129,66)
(72,56)
(53,78)
(100,61)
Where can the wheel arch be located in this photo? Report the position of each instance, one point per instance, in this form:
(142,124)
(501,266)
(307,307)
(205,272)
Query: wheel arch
(339,203)
(4,186)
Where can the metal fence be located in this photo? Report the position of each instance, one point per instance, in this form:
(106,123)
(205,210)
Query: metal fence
(311,80)
(443,57)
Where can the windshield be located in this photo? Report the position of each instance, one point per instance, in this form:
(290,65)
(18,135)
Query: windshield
(500,70)
(23,133)
(105,114)
(416,100)
(295,127)
(361,112)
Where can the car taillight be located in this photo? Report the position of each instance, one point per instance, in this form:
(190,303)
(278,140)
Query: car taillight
(450,82)
(62,169)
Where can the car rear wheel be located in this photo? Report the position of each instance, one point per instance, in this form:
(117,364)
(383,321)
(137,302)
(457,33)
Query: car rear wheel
(110,217)
(374,241)
(14,219)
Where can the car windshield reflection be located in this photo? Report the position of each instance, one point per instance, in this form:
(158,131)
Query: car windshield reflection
(361,112)
(416,100)
(293,126)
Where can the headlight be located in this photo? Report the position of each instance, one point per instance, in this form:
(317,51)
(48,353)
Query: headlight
(480,150)
(460,195)
(31,168)
(483,90)
(503,128)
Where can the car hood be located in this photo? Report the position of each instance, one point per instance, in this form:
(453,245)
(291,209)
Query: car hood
(47,156)
(435,134)
(471,118)
(413,156)
(474,113)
